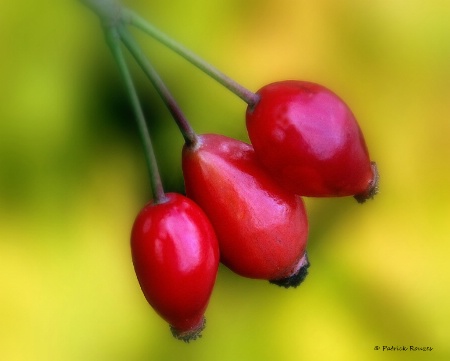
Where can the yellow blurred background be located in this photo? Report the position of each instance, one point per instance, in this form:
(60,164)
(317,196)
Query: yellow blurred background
(73,177)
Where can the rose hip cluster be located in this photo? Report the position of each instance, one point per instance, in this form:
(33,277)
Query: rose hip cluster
(305,142)
(243,204)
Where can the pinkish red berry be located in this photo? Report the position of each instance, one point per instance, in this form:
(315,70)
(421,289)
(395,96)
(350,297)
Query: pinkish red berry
(176,256)
(261,227)
(309,140)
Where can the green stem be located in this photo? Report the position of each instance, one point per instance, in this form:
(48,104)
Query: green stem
(109,11)
(113,40)
(186,129)
(134,19)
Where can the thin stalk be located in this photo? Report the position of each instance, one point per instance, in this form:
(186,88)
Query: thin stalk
(134,19)
(108,11)
(186,129)
(113,41)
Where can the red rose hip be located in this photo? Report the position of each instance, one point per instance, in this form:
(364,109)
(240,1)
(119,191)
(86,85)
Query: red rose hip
(175,255)
(262,228)
(310,141)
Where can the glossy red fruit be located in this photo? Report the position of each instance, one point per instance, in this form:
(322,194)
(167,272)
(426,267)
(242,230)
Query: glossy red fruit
(261,227)
(175,255)
(309,140)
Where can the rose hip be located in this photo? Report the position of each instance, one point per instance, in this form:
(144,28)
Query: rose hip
(175,255)
(309,140)
(261,227)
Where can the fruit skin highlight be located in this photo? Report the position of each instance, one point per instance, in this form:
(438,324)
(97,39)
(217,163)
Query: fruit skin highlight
(309,140)
(176,257)
(261,227)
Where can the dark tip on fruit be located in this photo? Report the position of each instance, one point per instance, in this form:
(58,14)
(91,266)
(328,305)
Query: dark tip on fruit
(297,278)
(372,190)
(189,335)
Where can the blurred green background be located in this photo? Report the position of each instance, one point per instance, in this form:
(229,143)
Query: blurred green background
(73,177)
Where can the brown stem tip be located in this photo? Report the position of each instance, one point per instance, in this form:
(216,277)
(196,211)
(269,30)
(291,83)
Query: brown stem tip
(372,190)
(189,335)
(297,278)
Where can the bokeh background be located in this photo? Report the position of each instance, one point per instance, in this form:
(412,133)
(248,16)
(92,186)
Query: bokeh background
(73,177)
